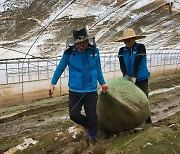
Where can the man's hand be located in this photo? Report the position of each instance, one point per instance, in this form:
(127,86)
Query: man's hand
(104,88)
(51,90)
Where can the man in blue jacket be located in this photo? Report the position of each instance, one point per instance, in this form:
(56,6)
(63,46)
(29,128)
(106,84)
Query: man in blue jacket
(84,65)
(133,61)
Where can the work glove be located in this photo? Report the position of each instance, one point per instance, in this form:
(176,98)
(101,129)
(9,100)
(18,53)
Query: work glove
(133,79)
(127,77)
(104,88)
(51,90)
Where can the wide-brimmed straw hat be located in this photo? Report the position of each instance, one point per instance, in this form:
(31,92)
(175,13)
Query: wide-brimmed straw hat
(129,33)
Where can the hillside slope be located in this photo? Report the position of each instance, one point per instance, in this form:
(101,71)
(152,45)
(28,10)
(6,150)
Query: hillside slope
(40,28)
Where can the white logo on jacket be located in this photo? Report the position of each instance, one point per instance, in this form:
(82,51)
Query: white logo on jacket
(94,55)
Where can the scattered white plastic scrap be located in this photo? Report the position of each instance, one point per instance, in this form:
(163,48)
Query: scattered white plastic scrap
(26,144)
(73,131)
(147,144)
(22,146)
(58,134)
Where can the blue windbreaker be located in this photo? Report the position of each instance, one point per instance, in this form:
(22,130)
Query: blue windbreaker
(84,69)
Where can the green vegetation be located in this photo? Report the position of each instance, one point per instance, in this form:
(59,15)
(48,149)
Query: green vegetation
(163,139)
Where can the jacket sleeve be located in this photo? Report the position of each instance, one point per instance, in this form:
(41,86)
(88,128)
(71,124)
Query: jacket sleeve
(99,70)
(60,68)
(121,61)
(141,51)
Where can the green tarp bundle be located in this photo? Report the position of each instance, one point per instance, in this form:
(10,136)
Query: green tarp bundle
(123,107)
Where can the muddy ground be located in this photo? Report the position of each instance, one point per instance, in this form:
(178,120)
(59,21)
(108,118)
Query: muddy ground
(43,126)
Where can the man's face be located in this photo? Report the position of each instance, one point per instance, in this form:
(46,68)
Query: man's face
(81,46)
(129,42)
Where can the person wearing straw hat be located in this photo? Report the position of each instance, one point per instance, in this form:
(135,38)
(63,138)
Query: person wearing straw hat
(83,60)
(133,61)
